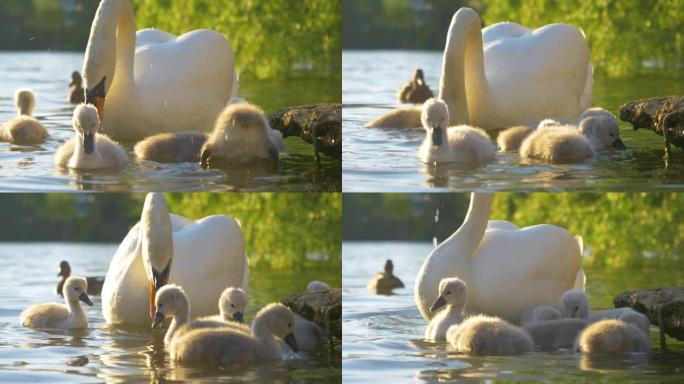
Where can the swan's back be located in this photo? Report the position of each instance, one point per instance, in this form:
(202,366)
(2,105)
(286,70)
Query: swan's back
(485,335)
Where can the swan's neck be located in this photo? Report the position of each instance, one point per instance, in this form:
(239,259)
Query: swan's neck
(463,85)
(111,46)
(76,311)
(157,234)
(181,318)
(469,235)
(267,342)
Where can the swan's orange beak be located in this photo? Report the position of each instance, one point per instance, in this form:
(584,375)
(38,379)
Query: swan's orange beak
(153,306)
(99,104)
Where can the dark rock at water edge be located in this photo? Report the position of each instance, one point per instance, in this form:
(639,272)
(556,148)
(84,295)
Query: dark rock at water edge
(317,124)
(323,307)
(664,307)
(662,115)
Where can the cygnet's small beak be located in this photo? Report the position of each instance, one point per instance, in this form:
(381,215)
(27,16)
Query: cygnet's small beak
(617,143)
(290,340)
(158,320)
(88,143)
(84,298)
(436,136)
(438,304)
(239,317)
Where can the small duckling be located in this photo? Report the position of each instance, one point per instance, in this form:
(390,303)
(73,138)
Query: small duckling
(226,346)
(628,315)
(511,138)
(171,301)
(179,147)
(453,293)
(558,333)
(317,286)
(94,283)
(415,91)
(486,335)
(612,336)
(406,118)
(601,128)
(560,145)
(443,144)
(88,149)
(575,304)
(385,282)
(24,129)
(242,134)
(541,313)
(59,316)
(76,92)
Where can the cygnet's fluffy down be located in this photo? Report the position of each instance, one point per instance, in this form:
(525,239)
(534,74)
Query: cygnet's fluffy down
(541,313)
(406,118)
(575,304)
(179,147)
(560,145)
(626,314)
(24,129)
(59,316)
(451,302)
(231,303)
(511,138)
(559,333)
(486,335)
(88,149)
(171,301)
(444,144)
(612,336)
(601,128)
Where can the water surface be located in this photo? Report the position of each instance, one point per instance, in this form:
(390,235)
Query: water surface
(132,354)
(384,159)
(31,168)
(382,339)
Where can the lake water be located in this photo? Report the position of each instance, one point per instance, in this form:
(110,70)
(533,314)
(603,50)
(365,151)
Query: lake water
(115,354)
(387,159)
(31,168)
(382,339)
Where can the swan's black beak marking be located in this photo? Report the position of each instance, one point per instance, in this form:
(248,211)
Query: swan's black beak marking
(88,143)
(158,320)
(239,317)
(436,136)
(617,143)
(96,91)
(438,304)
(84,298)
(290,340)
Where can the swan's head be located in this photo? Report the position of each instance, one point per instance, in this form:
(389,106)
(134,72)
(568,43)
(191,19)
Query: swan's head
(169,300)
(435,119)
(452,291)
(157,244)
(86,124)
(280,321)
(75,289)
(389,267)
(239,123)
(602,129)
(25,101)
(232,304)
(575,304)
(64,269)
(317,286)
(548,123)
(76,79)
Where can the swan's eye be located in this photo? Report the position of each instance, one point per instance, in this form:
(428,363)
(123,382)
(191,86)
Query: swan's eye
(232,305)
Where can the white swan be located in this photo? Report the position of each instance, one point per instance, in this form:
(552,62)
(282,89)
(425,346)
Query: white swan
(163,84)
(453,293)
(88,149)
(508,271)
(203,256)
(51,315)
(444,144)
(486,335)
(24,129)
(496,77)
(612,336)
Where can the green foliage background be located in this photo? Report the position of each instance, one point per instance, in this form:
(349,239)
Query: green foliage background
(618,229)
(268,37)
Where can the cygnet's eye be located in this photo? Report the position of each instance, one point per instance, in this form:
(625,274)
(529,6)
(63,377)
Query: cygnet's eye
(77,289)
(232,305)
(448,293)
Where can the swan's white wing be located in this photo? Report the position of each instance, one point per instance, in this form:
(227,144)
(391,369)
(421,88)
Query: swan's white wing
(152,36)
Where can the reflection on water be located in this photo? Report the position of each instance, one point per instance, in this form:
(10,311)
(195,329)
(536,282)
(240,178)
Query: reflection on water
(382,339)
(116,353)
(31,167)
(383,159)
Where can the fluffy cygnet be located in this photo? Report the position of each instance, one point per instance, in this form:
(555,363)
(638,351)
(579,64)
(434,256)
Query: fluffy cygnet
(385,282)
(560,145)
(628,315)
(444,144)
(415,91)
(242,134)
(511,138)
(171,301)
(88,149)
(453,293)
(612,336)
(24,129)
(317,286)
(76,92)
(486,335)
(541,313)
(406,118)
(226,346)
(558,333)
(308,333)
(601,128)
(575,304)
(59,316)
(232,303)
(180,147)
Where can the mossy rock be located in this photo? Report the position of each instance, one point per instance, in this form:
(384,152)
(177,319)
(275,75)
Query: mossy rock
(670,302)
(317,124)
(662,115)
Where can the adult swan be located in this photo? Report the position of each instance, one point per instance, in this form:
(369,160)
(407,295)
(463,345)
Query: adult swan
(507,74)
(204,257)
(509,270)
(165,84)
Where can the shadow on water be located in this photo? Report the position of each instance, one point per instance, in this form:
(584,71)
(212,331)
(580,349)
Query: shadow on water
(31,168)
